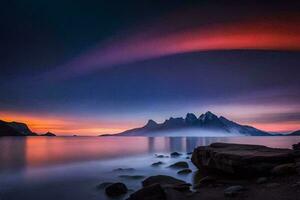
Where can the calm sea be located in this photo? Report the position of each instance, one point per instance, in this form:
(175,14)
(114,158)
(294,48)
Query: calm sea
(63,168)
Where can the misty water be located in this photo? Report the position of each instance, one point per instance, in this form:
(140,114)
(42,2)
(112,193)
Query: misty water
(71,167)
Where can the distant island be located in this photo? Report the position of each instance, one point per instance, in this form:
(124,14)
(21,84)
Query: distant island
(207,124)
(18,129)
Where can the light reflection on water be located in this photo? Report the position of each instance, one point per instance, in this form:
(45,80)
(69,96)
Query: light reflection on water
(47,167)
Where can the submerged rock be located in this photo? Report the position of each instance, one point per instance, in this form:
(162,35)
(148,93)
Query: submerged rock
(240,159)
(156,164)
(180,164)
(116,189)
(184,171)
(160,156)
(123,169)
(151,192)
(132,176)
(296,146)
(103,185)
(233,191)
(175,154)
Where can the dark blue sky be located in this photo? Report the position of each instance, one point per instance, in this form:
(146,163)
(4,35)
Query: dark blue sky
(113,64)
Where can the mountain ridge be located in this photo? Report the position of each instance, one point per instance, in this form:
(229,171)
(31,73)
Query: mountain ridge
(207,122)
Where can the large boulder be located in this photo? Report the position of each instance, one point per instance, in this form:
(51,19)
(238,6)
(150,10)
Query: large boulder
(240,159)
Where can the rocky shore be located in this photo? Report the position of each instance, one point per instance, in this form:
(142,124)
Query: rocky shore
(225,171)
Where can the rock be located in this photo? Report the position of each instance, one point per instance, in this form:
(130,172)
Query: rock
(157,164)
(262,180)
(103,185)
(166,182)
(187,157)
(284,169)
(116,189)
(160,156)
(296,146)
(180,164)
(233,191)
(184,171)
(189,153)
(207,180)
(151,192)
(240,159)
(297,184)
(134,177)
(175,154)
(124,169)
(271,185)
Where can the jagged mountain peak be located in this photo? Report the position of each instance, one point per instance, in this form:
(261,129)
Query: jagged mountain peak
(191,118)
(151,124)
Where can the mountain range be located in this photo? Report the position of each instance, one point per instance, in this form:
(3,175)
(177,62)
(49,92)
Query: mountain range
(207,124)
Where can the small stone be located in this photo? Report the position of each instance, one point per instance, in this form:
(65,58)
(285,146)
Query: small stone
(184,171)
(124,169)
(284,169)
(116,189)
(271,185)
(166,182)
(261,180)
(180,164)
(233,191)
(160,156)
(175,154)
(157,164)
(189,153)
(187,157)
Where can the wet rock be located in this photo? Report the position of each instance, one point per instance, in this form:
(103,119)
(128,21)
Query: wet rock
(134,177)
(160,156)
(240,159)
(189,153)
(184,171)
(151,192)
(187,157)
(262,180)
(233,191)
(103,185)
(180,164)
(166,182)
(175,154)
(156,164)
(284,169)
(116,189)
(123,169)
(207,180)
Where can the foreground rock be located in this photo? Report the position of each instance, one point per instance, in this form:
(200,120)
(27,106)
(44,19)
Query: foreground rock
(116,189)
(166,182)
(179,165)
(233,191)
(162,188)
(241,159)
(152,192)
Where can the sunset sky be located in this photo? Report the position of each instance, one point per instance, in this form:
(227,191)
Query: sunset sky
(97,67)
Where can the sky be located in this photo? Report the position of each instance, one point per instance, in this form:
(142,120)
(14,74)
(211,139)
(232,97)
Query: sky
(99,67)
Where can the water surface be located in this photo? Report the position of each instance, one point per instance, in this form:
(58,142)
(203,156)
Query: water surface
(71,167)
